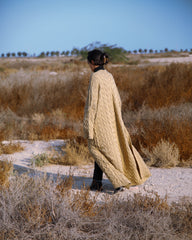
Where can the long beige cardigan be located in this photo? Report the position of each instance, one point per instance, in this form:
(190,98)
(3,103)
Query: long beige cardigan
(108,139)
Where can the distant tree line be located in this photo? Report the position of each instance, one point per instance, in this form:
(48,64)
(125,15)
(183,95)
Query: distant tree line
(19,54)
(117,53)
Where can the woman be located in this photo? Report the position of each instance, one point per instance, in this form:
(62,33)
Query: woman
(108,140)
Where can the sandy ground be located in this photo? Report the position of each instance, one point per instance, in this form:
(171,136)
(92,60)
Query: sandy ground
(175,183)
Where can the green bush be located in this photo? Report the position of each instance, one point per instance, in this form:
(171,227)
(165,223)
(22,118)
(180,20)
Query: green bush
(40,160)
(116,54)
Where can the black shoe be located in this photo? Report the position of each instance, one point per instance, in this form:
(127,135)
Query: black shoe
(96,186)
(119,189)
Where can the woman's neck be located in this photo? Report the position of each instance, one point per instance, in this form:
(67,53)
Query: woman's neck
(98,68)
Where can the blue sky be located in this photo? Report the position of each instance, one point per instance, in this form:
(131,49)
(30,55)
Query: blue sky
(45,25)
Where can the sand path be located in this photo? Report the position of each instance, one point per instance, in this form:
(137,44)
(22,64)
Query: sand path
(174,182)
(187,59)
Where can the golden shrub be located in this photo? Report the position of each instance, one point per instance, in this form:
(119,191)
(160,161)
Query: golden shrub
(5,171)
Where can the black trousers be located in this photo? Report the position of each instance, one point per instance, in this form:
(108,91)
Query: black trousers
(98,173)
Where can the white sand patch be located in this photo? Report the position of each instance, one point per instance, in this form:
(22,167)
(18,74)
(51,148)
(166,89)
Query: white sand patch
(174,182)
(171,59)
(53,73)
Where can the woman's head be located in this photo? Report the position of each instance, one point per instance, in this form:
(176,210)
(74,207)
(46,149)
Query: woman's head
(97,58)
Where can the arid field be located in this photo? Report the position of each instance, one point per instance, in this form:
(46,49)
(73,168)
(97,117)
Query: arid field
(43,99)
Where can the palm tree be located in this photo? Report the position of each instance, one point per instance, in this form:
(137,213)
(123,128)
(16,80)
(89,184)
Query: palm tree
(13,54)
(135,51)
(47,53)
(145,50)
(24,54)
(8,54)
(2,55)
(140,50)
(166,50)
(63,53)
(52,53)
(67,53)
(19,54)
(151,50)
(42,54)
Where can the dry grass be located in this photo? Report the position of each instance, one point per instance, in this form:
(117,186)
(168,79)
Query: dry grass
(40,64)
(156,86)
(37,127)
(10,148)
(64,185)
(26,93)
(83,203)
(5,170)
(36,105)
(172,124)
(151,132)
(74,153)
(37,208)
(164,154)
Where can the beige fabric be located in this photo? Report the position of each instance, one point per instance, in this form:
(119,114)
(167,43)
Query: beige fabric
(108,139)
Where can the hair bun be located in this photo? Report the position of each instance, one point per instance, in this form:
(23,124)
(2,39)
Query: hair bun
(97,57)
(104,58)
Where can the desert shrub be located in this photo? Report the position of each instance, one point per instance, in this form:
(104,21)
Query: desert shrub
(5,170)
(150,132)
(153,200)
(40,126)
(164,154)
(53,132)
(181,217)
(36,105)
(65,184)
(40,160)
(75,152)
(172,124)
(174,112)
(156,86)
(83,203)
(10,148)
(37,208)
(26,93)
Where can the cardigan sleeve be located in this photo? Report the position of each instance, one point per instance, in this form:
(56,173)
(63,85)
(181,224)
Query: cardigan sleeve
(92,104)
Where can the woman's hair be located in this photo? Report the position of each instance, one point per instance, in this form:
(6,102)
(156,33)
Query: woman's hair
(98,57)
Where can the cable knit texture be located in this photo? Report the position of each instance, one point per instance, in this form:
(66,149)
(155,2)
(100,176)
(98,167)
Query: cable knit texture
(108,139)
